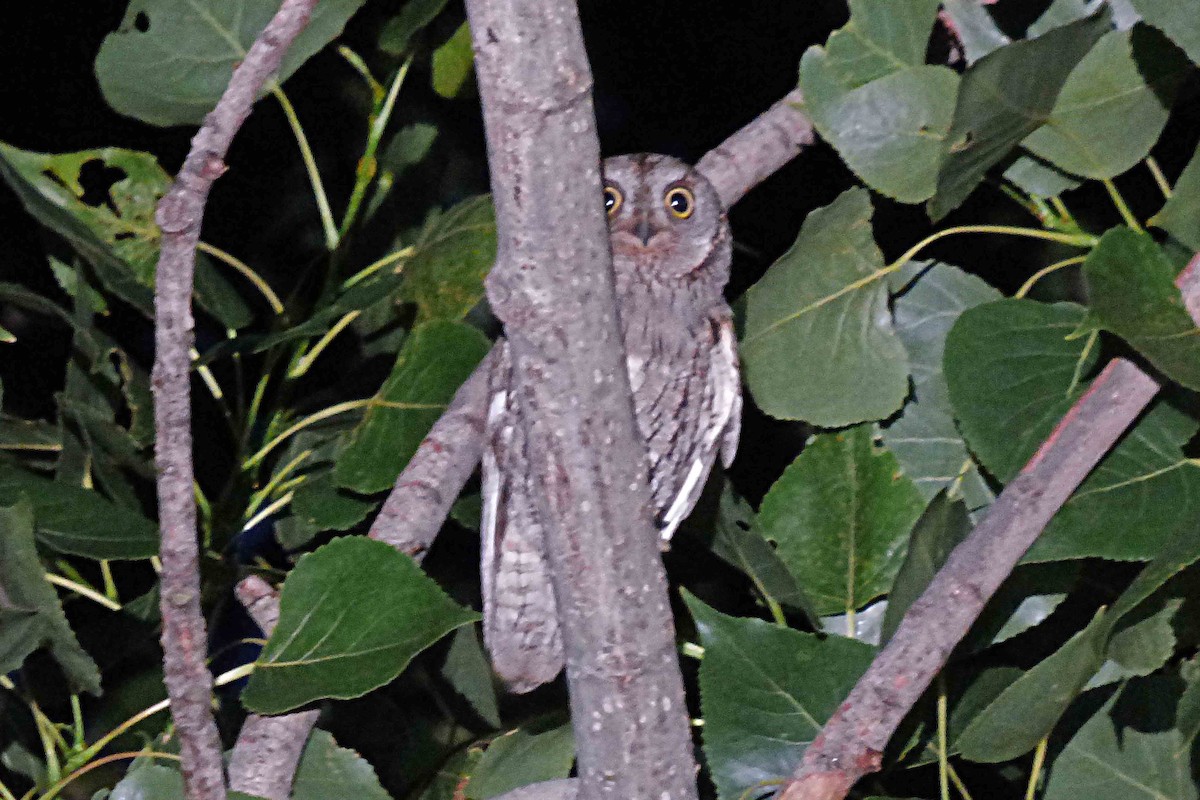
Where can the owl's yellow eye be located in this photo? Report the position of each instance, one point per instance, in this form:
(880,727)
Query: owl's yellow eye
(680,202)
(612,199)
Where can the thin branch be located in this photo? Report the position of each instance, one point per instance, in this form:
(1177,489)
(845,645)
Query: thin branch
(852,742)
(268,749)
(179,215)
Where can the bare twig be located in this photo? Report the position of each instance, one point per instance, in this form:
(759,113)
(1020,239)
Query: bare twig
(179,214)
(852,742)
(552,286)
(268,749)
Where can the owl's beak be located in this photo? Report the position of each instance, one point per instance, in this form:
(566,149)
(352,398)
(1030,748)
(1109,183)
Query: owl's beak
(645,231)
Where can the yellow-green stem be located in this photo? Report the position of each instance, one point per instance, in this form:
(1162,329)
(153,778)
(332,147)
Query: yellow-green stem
(305,362)
(943,747)
(1072,239)
(268,511)
(324,413)
(59,785)
(82,591)
(310,164)
(1039,758)
(375,266)
(260,496)
(1044,271)
(1121,205)
(1163,185)
(110,586)
(360,66)
(244,269)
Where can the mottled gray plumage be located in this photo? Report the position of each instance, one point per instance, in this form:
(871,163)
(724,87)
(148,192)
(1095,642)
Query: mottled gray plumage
(671,251)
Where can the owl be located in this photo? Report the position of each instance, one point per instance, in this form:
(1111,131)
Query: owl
(671,250)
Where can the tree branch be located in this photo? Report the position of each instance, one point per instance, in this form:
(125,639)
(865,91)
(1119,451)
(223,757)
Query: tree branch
(179,215)
(268,749)
(852,742)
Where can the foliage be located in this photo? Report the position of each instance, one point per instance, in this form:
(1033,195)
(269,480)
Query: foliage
(912,384)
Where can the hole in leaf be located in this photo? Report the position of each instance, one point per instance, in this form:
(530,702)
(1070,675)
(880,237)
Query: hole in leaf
(97,179)
(141,22)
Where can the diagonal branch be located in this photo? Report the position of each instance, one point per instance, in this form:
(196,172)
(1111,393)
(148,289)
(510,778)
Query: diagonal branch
(179,214)
(851,744)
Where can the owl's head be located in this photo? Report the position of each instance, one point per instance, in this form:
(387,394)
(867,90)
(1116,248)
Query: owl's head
(666,222)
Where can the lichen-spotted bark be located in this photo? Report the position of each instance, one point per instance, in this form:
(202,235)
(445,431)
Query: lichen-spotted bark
(553,288)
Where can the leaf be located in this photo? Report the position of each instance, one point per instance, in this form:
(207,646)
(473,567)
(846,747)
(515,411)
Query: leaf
(1039,178)
(1028,709)
(468,671)
(975,27)
(454,252)
(520,758)
(1187,715)
(1060,12)
(737,543)
(1180,217)
(116,233)
(433,363)
(327,770)
(409,146)
(398,31)
(1004,97)
(1113,107)
(1142,645)
(32,615)
(936,533)
(924,438)
(352,615)
(1012,373)
(1128,750)
(879,40)
(322,506)
(453,776)
(1026,598)
(170,60)
(1178,19)
(765,692)
(840,515)
(821,310)
(1131,284)
(452,63)
(74,520)
(889,131)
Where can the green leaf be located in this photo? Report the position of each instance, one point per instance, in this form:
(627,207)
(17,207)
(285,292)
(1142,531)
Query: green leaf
(924,438)
(1004,97)
(327,770)
(452,62)
(765,692)
(170,60)
(1039,178)
(1145,639)
(889,131)
(821,309)
(520,758)
(1028,709)
(413,17)
(433,363)
(840,515)
(409,146)
(454,252)
(1060,12)
(1178,19)
(117,235)
(737,543)
(73,520)
(322,506)
(1026,598)
(352,615)
(1128,750)
(1180,217)
(1131,284)
(879,40)
(1187,715)
(1012,373)
(939,530)
(468,671)
(1113,106)
(32,615)
(976,29)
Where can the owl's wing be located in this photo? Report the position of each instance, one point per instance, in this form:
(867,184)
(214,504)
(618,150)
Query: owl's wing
(719,423)
(520,615)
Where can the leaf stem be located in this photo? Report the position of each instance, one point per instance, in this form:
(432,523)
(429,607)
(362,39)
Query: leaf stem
(367,165)
(1121,205)
(375,266)
(260,497)
(1071,239)
(242,267)
(324,413)
(1039,758)
(53,791)
(360,66)
(83,591)
(110,586)
(1044,271)
(305,362)
(1163,185)
(943,757)
(268,511)
(310,164)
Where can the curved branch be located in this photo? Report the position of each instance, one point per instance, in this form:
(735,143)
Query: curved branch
(852,741)
(179,214)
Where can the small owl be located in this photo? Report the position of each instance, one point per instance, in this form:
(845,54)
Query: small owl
(671,250)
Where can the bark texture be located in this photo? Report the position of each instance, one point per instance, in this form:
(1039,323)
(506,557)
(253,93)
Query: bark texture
(852,741)
(179,215)
(268,749)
